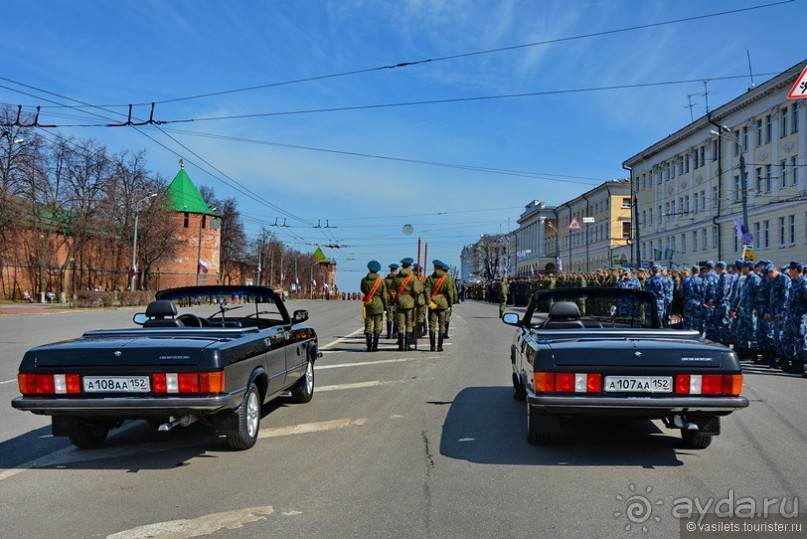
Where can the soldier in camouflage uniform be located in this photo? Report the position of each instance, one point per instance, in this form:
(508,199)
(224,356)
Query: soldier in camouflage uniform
(745,323)
(407,291)
(440,292)
(764,329)
(655,285)
(374,304)
(778,301)
(668,292)
(709,291)
(421,310)
(392,323)
(504,289)
(796,321)
(690,291)
(721,317)
(736,285)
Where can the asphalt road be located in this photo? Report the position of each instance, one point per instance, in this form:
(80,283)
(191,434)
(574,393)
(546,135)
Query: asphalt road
(394,444)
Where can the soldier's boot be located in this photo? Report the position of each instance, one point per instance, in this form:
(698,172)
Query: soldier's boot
(395,331)
(389,329)
(400,342)
(440,343)
(368,338)
(410,338)
(375,341)
(431,341)
(445,335)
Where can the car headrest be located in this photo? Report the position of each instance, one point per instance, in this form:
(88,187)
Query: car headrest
(161,309)
(564,310)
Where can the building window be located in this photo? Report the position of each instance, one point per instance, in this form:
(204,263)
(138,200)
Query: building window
(783,123)
(768,128)
(758,172)
(792,228)
(745,138)
(714,236)
(715,199)
(670,170)
(757,238)
(683,243)
(768,170)
(703,155)
(794,176)
(703,240)
(625,230)
(715,142)
(694,241)
(659,214)
(650,216)
(737,189)
(795,117)
(781,232)
(766,234)
(626,202)
(686,204)
(759,133)
(703,198)
(187,218)
(204,221)
(686,162)
(783,171)
(736,143)
(696,202)
(667,209)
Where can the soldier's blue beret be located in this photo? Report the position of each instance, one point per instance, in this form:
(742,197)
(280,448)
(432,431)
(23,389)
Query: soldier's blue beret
(374,265)
(749,264)
(721,264)
(770,267)
(437,263)
(695,269)
(766,261)
(393,266)
(415,265)
(796,265)
(625,271)
(739,263)
(654,269)
(710,264)
(759,264)
(407,261)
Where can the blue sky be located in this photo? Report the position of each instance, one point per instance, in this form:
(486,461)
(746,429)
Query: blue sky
(115,53)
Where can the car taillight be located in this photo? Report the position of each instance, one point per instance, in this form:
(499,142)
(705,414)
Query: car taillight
(188,382)
(49,384)
(567,382)
(709,384)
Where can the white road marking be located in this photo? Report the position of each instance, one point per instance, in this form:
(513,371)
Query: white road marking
(356,385)
(7,382)
(379,362)
(340,339)
(197,527)
(305,428)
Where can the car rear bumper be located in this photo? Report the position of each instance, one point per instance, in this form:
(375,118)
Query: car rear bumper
(639,406)
(123,407)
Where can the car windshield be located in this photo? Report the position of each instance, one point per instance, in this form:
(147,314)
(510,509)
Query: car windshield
(245,305)
(598,308)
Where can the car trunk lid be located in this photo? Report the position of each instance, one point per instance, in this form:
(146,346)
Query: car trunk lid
(111,352)
(637,353)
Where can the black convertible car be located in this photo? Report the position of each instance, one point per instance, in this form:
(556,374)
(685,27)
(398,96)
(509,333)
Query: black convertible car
(176,369)
(604,352)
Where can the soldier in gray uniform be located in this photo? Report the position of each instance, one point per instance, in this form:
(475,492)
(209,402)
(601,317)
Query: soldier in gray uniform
(764,329)
(709,292)
(668,291)
(736,286)
(796,321)
(655,285)
(721,299)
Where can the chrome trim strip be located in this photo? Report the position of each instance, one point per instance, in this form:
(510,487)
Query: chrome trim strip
(678,404)
(131,404)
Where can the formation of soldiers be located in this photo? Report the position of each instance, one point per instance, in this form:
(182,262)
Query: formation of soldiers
(414,304)
(759,309)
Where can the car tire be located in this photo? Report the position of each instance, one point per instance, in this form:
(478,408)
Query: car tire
(535,436)
(86,435)
(696,440)
(249,420)
(519,393)
(303,390)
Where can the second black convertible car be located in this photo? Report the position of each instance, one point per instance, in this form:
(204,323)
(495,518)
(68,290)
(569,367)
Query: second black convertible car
(604,352)
(176,369)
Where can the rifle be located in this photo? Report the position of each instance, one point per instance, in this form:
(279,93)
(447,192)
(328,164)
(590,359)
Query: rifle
(416,333)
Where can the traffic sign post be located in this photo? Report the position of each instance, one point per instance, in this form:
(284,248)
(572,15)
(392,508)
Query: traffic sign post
(575,224)
(748,238)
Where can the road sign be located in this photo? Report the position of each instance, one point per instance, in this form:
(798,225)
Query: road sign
(748,254)
(748,238)
(575,224)
(588,220)
(799,90)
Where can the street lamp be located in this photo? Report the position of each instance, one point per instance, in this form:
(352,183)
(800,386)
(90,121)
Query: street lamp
(214,224)
(743,179)
(134,243)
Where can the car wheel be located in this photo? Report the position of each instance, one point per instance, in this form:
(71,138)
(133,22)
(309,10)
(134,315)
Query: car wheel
(86,435)
(695,439)
(249,420)
(535,436)
(303,390)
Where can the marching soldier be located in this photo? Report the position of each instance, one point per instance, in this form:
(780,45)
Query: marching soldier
(440,291)
(779,296)
(764,329)
(374,305)
(421,311)
(796,320)
(504,289)
(721,318)
(709,296)
(392,323)
(407,290)
(655,285)
(745,333)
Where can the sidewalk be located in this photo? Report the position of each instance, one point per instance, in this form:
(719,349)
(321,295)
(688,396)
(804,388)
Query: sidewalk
(12,309)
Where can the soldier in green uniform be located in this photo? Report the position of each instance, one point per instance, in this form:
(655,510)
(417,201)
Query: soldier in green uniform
(450,310)
(392,323)
(374,305)
(441,292)
(406,291)
(422,303)
(504,289)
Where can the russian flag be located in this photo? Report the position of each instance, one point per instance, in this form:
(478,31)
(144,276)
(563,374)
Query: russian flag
(203,265)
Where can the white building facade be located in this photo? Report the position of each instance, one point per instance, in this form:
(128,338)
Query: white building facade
(689,191)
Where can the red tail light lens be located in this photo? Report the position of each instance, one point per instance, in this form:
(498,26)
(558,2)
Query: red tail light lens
(158,383)
(49,384)
(564,382)
(544,382)
(712,384)
(682,384)
(189,382)
(594,383)
(73,382)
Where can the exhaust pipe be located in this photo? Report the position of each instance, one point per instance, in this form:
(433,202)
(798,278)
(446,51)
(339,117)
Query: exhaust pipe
(681,422)
(183,421)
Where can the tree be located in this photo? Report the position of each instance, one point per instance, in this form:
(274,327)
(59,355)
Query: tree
(490,252)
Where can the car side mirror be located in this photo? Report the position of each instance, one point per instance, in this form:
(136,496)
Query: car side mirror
(299,316)
(140,318)
(511,319)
